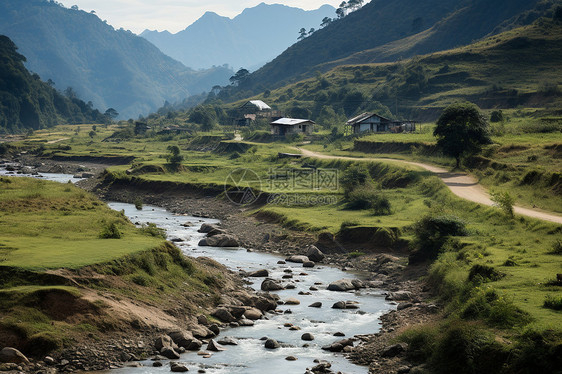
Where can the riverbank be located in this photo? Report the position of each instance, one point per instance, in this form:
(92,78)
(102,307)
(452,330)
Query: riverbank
(389,267)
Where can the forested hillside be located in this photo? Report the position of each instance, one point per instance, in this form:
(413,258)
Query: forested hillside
(399,29)
(112,68)
(28,103)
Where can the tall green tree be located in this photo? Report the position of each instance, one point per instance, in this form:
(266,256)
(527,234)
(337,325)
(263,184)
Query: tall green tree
(461,130)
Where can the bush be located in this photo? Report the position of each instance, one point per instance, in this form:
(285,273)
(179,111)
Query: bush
(431,233)
(365,197)
(504,201)
(153,230)
(557,247)
(138,203)
(496,116)
(110,231)
(353,177)
(553,302)
(484,273)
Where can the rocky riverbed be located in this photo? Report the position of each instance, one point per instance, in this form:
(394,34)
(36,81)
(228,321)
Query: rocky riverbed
(388,270)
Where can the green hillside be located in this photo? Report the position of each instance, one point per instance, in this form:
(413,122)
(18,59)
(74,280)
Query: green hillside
(520,67)
(406,27)
(28,103)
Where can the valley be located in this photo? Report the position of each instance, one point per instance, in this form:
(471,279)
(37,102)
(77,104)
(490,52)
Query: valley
(382,194)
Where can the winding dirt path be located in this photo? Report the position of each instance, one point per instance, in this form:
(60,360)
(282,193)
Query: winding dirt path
(461,184)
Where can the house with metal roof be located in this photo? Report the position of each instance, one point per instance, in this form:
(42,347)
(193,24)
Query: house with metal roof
(286,126)
(254,106)
(372,122)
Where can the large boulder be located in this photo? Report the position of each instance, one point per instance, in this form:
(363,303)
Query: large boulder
(207,228)
(164,341)
(394,350)
(181,338)
(341,285)
(224,315)
(271,285)
(399,296)
(314,254)
(170,353)
(201,332)
(259,273)
(220,240)
(339,345)
(298,259)
(213,346)
(12,355)
(253,314)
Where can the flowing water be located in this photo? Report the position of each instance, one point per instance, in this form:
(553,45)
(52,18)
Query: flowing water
(250,356)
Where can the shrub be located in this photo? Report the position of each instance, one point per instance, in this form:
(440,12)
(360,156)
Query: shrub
(138,203)
(553,302)
(504,201)
(484,273)
(153,230)
(496,116)
(110,231)
(353,177)
(365,197)
(557,247)
(431,233)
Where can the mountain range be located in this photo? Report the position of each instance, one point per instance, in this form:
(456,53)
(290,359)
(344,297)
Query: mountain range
(387,31)
(111,68)
(249,40)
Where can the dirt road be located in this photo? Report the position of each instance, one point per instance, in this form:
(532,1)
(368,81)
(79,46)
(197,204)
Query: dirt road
(461,184)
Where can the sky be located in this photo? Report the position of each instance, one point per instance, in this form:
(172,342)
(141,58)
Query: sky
(174,15)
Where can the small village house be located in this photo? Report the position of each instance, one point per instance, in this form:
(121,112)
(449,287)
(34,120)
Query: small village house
(251,110)
(372,122)
(287,126)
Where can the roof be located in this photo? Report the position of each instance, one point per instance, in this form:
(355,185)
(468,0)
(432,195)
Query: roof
(258,104)
(364,116)
(291,121)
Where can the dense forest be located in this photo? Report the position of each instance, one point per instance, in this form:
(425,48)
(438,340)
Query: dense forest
(26,102)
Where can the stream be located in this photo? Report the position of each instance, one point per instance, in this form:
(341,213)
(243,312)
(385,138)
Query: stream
(250,356)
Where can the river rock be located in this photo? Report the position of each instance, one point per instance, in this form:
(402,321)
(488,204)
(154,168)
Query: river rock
(181,338)
(346,305)
(394,350)
(220,240)
(271,285)
(339,305)
(201,332)
(215,329)
(314,254)
(170,353)
(228,341)
(341,285)
(399,296)
(271,344)
(12,355)
(253,314)
(178,368)
(338,346)
(259,273)
(207,228)
(403,306)
(194,345)
(224,315)
(292,301)
(297,259)
(202,320)
(307,336)
(290,358)
(215,231)
(214,346)
(308,264)
(246,322)
(316,304)
(164,341)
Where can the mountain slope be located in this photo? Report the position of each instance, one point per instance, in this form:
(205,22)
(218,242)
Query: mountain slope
(28,103)
(519,67)
(423,27)
(111,68)
(252,38)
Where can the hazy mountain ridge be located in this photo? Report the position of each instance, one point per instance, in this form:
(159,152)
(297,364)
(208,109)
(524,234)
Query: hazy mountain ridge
(249,40)
(112,68)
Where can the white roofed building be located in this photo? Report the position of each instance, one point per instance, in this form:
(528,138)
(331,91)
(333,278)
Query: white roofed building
(285,126)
